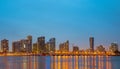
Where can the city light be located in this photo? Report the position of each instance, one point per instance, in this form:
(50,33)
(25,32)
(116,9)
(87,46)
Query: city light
(40,48)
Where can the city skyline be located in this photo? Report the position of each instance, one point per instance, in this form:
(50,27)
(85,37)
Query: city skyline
(59,34)
(43,45)
(65,19)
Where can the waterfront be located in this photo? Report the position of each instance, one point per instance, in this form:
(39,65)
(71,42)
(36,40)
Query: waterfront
(59,62)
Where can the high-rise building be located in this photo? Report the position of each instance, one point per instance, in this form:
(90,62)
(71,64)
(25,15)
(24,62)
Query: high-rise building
(67,45)
(17,47)
(48,47)
(5,45)
(75,48)
(29,38)
(100,48)
(64,46)
(52,44)
(91,39)
(25,46)
(61,46)
(35,48)
(41,44)
(113,47)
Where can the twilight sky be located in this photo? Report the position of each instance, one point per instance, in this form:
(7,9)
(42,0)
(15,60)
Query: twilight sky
(73,20)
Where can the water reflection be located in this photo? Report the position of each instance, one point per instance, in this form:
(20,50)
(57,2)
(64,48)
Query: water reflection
(57,62)
(81,62)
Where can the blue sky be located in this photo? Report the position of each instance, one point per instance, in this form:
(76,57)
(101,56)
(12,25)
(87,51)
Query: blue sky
(74,20)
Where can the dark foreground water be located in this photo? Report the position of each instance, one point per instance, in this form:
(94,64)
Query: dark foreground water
(60,62)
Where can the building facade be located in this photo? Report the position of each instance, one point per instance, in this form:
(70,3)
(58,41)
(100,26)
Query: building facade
(41,44)
(5,45)
(75,48)
(113,47)
(48,47)
(35,48)
(64,47)
(91,40)
(17,47)
(29,38)
(52,43)
(100,48)
(24,45)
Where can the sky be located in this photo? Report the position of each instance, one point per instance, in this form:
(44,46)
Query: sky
(73,20)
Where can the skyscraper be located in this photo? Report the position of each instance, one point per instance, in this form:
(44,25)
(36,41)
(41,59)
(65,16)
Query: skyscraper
(52,44)
(17,47)
(91,39)
(41,44)
(25,45)
(67,46)
(75,48)
(64,46)
(100,48)
(48,48)
(35,49)
(4,45)
(29,38)
(113,47)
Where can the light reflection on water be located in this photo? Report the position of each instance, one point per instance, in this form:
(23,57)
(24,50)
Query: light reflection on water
(60,62)
(81,62)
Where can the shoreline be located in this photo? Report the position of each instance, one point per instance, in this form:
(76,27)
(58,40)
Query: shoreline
(56,55)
